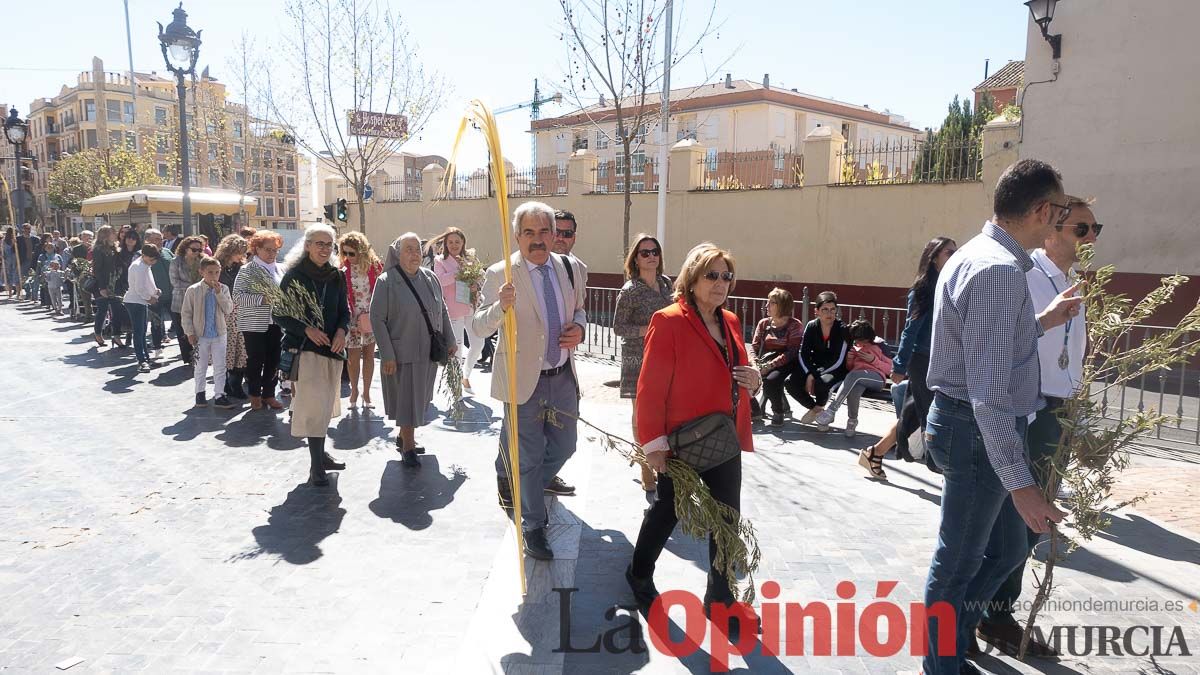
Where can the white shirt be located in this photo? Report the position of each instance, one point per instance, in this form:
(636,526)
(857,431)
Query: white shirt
(536,276)
(1045,282)
(141,283)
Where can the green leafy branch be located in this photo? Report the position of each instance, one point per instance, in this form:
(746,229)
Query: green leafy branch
(295,302)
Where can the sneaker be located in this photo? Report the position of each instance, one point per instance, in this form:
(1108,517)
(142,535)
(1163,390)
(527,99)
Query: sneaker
(143,367)
(811,415)
(156,355)
(851,428)
(558,487)
(222,401)
(824,418)
(201,401)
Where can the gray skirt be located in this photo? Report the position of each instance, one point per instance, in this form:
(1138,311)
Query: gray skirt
(408,393)
(317,396)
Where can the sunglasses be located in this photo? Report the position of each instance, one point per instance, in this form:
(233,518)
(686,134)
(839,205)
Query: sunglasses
(349,254)
(1066,212)
(650,252)
(1081,229)
(565,234)
(195,250)
(723,276)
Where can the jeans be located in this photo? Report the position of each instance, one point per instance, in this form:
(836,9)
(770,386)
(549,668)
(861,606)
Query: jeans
(852,390)
(977,515)
(262,361)
(1043,440)
(137,315)
(210,350)
(120,319)
(725,484)
(543,448)
(898,393)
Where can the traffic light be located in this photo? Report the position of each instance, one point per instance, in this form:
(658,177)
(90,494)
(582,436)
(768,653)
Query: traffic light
(329,212)
(341,210)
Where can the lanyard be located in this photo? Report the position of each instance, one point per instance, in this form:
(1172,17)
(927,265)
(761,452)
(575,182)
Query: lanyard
(1053,285)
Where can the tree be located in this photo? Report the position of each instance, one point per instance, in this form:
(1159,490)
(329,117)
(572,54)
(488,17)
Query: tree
(955,151)
(615,53)
(345,56)
(85,174)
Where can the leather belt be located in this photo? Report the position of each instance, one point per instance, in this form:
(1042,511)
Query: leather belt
(556,371)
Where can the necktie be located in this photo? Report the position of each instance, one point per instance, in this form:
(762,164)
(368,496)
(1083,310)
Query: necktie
(553,320)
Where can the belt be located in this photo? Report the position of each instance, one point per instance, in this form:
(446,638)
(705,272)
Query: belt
(551,372)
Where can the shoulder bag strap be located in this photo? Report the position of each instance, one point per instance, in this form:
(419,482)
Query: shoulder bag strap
(732,360)
(424,312)
(566,261)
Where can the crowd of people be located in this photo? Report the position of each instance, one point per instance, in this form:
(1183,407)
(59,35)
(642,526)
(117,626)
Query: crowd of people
(985,325)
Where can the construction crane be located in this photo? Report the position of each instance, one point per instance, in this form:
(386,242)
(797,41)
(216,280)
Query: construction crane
(535,113)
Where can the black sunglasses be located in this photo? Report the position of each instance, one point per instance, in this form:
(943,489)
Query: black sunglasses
(723,276)
(1081,229)
(349,254)
(565,234)
(1066,212)
(650,252)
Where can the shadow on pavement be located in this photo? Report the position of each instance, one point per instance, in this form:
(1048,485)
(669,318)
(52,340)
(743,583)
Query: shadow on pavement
(1135,532)
(295,528)
(259,427)
(357,428)
(992,664)
(172,374)
(410,496)
(198,421)
(932,498)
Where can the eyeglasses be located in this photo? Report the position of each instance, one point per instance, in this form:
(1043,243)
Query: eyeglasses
(322,244)
(565,234)
(195,250)
(714,276)
(1081,229)
(1066,212)
(650,252)
(349,254)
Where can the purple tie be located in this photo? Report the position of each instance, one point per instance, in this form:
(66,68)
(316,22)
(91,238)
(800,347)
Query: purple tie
(553,320)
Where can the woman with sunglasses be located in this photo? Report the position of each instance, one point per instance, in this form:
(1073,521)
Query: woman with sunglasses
(259,330)
(105,261)
(185,271)
(231,253)
(362,268)
(646,291)
(458,296)
(695,364)
(822,362)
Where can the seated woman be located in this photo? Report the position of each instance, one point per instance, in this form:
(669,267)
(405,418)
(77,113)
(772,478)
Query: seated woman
(777,340)
(822,359)
(868,369)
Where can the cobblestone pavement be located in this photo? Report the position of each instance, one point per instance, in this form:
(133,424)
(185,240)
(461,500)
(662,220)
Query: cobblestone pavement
(143,536)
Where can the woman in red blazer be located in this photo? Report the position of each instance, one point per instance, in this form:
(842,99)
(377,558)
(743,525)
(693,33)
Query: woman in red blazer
(693,349)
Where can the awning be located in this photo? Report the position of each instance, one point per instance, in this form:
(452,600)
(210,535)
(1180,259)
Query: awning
(169,200)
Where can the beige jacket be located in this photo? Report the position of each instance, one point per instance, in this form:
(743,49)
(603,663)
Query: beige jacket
(531,331)
(192,309)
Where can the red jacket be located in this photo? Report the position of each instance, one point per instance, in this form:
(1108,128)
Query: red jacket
(373,273)
(684,375)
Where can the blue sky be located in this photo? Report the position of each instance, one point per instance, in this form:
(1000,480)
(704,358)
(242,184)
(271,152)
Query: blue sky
(909,57)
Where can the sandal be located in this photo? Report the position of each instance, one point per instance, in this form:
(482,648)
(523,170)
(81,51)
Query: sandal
(873,463)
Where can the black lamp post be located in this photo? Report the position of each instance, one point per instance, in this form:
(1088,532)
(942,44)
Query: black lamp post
(15,130)
(1043,13)
(181,50)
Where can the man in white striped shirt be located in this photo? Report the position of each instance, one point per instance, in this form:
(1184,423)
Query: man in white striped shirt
(984,370)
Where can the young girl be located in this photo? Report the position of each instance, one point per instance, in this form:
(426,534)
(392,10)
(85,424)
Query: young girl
(868,367)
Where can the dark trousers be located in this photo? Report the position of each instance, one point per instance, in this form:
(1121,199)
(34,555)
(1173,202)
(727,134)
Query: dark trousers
(185,347)
(1043,439)
(119,321)
(917,401)
(158,324)
(725,484)
(262,361)
(773,387)
(796,387)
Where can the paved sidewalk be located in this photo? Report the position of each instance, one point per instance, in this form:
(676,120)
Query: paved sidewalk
(141,535)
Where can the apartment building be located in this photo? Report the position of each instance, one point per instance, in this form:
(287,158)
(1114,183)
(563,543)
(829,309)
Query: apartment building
(228,147)
(729,116)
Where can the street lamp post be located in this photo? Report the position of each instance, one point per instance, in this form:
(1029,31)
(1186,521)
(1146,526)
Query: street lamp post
(181,50)
(15,130)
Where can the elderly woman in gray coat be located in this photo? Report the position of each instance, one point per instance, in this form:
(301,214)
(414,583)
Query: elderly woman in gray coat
(403,339)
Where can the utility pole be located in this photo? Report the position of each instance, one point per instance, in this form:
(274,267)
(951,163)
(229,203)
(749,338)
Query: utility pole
(137,143)
(664,126)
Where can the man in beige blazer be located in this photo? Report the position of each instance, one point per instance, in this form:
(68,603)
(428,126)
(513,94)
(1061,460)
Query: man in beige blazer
(550,320)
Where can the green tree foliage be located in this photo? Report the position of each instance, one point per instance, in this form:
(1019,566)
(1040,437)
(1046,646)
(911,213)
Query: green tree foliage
(85,174)
(955,151)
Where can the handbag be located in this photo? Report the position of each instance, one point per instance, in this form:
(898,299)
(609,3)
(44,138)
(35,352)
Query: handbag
(439,352)
(710,440)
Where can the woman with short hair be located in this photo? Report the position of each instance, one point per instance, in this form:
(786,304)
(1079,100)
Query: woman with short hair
(822,360)
(646,291)
(406,297)
(777,339)
(231,253)
(319,352)
(261,334)
(362,268)
(694,365)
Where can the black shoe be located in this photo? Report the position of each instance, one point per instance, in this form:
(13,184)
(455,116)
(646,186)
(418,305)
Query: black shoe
(318,478)
(777,420)
(733,631)
(968,668)
(201,401)
(558,487)
(536,546)
(644,591)
(400,447)
(504,492)
(409,458)
(223,402)
(332,464)
(1006,637)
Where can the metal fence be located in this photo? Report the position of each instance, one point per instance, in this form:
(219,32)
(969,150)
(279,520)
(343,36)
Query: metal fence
(400,191)
(752,170)
(1174,392)
(539,181)
(609,177)
(912,161)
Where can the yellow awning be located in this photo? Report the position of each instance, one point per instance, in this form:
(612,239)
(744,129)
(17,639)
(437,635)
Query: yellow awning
(169,200)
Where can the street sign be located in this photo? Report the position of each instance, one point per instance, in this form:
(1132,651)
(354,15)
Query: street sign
(367,192)
(382,125)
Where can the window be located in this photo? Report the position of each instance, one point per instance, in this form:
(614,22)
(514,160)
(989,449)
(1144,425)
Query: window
(160,116)
(780,124)
(267,158)
(214,177)
(619,187)
(280,186)
(237,129)
(291,185)
(163,170)
(239,153)
(268,182)
(641,134)
(601,140)
(779,157)
(255,181)
(281,208)
(212,152)
(89,111)
(621,165)
(291,212)
(562,170)
(710,159)
(291,162)
(580,141)
(239,177)
(128,116)
(638,161)
(211,127)
(254,156)
(164,144)
(602,189)
(602,169)
(268,207)
(193,177)
(637,186)
(560,143)
(112,111)
(191,149)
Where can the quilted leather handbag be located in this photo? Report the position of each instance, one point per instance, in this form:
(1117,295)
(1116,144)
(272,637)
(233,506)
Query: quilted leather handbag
(710,440)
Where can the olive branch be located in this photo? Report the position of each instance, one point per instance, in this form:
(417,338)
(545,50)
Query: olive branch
(699,513)
(295,302)
(451,383)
